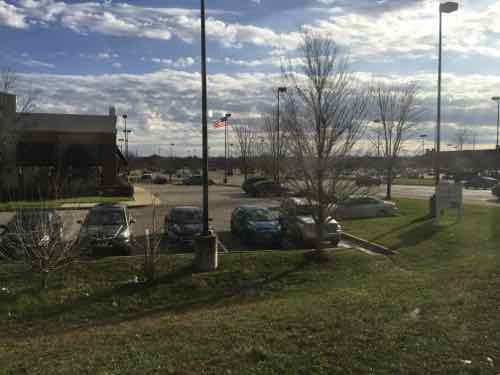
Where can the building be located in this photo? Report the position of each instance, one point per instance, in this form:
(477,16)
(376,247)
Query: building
(57,154)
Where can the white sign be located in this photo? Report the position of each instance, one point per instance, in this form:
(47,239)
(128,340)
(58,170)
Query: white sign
(449,195)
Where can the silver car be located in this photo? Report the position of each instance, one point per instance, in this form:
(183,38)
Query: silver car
(364,207)
(299,225)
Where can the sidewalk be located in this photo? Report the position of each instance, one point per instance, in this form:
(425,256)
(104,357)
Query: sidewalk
(142,198)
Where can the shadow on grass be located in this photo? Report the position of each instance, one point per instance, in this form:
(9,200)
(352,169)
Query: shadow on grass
(96,310)
(420,219)
(419,234)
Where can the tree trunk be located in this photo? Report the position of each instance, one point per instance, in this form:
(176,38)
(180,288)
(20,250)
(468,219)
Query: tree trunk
(389,182)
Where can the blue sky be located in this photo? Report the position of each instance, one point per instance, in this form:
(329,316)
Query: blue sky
(143,57)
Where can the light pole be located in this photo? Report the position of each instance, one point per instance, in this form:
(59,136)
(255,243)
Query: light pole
(121,144)
(448,7)
(278,146)
(422,137)
(206,229)
(225,118)
(126,132)
(497,100)
(172,150)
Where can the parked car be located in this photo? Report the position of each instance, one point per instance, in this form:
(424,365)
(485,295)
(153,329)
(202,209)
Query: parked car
(298,224)
(362,207)
(107,230)
(480,182)
(196,180)
(496,191)
(268,188)
(256,224)
(247,186)
(368,181)
(30,228)
(160,180)
(147,176)
(183,224)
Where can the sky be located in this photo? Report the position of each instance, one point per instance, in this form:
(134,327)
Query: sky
(143,57)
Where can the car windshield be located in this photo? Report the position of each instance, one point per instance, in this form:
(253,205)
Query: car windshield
(305,210)
(261,215)
(101,217)
(186,216)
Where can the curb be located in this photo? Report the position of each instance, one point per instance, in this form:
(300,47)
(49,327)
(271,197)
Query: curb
(372,246)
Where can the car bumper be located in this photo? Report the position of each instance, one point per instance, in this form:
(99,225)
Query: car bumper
(266,237)
(329,237)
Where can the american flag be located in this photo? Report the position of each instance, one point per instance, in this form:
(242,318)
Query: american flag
(220,123)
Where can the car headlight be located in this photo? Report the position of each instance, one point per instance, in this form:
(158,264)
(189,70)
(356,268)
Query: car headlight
(124,235)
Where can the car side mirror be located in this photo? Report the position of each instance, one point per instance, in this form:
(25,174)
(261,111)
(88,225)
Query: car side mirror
(3,230)
(132,221)
(210,219)
(79,222)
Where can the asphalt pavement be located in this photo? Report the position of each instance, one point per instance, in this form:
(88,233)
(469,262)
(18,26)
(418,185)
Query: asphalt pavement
(222,201)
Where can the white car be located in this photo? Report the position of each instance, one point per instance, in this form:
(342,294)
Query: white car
(364,207)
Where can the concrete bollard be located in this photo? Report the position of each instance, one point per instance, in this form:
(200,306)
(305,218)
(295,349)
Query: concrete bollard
(206,257)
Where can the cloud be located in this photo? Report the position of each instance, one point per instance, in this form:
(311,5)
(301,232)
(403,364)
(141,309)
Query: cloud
(165,106)
(11,16)
(182,62)
(37,64)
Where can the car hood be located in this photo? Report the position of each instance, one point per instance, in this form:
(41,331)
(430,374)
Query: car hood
(269,224)
(190,228)
(103,231)
(310,220)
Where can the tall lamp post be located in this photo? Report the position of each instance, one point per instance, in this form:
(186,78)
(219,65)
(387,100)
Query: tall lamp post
(206,229)
(448,7)
(278,146)
(126,132)
(226,118)
(422,137)
(497,100)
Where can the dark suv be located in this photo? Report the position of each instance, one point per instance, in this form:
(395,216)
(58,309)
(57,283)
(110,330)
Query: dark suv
(183,224)
(107,230)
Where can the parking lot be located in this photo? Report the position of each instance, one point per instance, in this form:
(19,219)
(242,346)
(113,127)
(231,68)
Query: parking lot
(222,201)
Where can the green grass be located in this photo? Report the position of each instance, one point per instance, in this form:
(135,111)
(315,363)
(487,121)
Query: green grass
(414,181)
(13,205)
(423,311)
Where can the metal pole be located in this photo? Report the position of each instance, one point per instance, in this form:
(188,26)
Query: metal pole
(204,119)
(278,148)
(225,150)
(438,125)
(498,120)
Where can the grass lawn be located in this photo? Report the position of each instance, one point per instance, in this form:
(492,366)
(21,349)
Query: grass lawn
(13,205)
(431,309)
(414,181)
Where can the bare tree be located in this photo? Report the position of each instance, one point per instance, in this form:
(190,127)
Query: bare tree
(246,139)
(36,238)
(274,140)
(25,103)
(462,138)
(397,110)
(325,116)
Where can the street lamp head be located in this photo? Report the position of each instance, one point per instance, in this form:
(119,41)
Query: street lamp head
(282,89)
(124,116)
(496,98)
(423,135)
(448,7)
(228,115)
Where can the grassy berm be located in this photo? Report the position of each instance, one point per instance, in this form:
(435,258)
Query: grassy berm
(433,308)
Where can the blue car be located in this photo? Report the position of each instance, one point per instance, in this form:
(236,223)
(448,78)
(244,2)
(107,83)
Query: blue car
(255,224)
